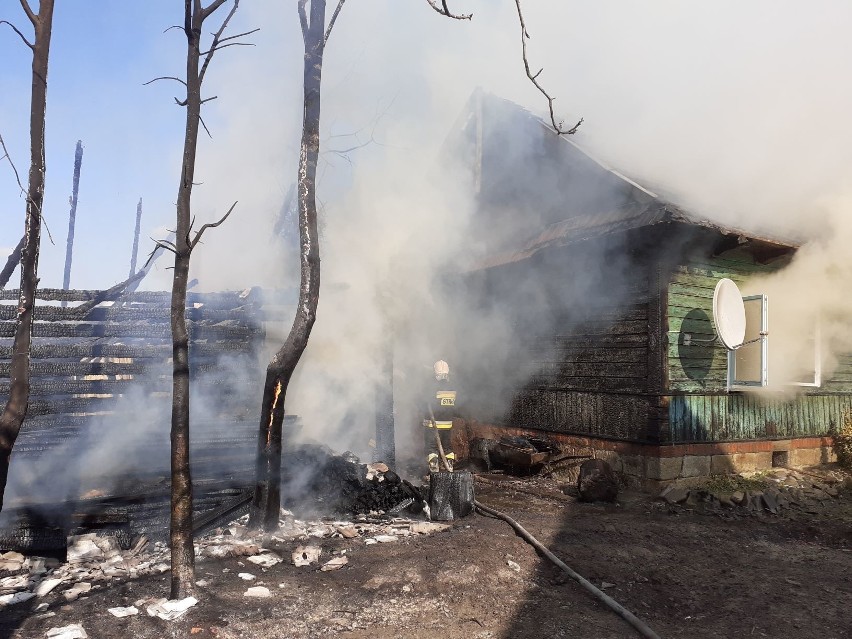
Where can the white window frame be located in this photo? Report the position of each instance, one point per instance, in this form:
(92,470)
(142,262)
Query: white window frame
(817,362)
(733,384)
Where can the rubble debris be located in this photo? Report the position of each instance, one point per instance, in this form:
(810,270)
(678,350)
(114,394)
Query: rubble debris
(427,527)
(514,565)
(170,609)
(15,598)
(335,564)
(306,555)
(340,483)
(265,560)
(123,612)
(757,493)
(257,591)
(246,576)
(72,631)
(76,590)
(11,561)
(46,586)
(597,482)
(385,539)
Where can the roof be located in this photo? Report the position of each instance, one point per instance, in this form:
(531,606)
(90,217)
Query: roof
(640,206)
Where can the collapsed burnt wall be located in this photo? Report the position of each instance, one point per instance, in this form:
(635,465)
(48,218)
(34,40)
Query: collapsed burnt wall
(99,410)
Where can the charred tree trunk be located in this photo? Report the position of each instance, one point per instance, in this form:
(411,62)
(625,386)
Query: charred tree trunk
(135,252)
(72,217)
(19,391)
(183,553)
(267,497)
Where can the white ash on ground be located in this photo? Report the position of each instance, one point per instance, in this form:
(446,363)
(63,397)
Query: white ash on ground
(95,561)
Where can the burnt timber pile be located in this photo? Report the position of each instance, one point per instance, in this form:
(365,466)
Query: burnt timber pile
(93,450)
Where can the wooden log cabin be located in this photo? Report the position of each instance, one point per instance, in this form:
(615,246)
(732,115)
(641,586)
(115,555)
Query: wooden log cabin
(609,299)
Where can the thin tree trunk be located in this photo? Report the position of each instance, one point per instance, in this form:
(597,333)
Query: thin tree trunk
(19,392)
(72,218)
(267,497)
(183,554)
(135,251)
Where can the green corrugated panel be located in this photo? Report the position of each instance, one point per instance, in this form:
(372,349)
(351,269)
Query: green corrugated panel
(741,416)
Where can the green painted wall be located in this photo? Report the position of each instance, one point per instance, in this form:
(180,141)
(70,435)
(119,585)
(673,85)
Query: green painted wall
(700,408)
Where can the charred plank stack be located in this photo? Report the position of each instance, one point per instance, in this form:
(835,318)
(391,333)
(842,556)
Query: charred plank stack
(98,417)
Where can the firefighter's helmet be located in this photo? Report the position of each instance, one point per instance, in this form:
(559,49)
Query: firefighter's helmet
(442,370)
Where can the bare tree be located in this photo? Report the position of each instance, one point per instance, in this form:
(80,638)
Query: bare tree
(267,496)
(197,63)
(19,392)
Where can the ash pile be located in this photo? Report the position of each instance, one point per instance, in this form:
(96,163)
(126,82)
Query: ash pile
(314,479)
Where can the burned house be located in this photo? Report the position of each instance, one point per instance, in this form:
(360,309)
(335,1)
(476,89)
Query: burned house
(607,290)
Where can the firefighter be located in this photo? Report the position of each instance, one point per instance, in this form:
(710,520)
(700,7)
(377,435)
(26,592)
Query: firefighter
(439,415)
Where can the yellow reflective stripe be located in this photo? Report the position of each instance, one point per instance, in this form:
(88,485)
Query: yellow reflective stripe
(445,395)
(450,455)
(442,425)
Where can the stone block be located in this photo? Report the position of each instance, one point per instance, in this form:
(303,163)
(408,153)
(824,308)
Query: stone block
(696,466)
(740,462)
(663,467)
(633,465)
(811,456)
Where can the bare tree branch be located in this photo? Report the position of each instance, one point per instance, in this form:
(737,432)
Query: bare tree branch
(239,35)
(12,164)
(164,77)
(303,18)
(225,46)
(109,295)
(32,16)
(558,127)
(210,225)
(200,119)
(174,26)
(15,29)
(208,56)
(444,11)
(208,99)
(181,102)
(332,21)
(209,10)
(12,263)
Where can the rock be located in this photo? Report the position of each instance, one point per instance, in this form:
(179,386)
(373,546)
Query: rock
(606,584)
(170,609)
(46,586)
(83,548)
(347,532)
(513,565)
(770,501)
(246,576)
(335,564)
(369,541)
(123,612)
(386,539)
(306,555)
(73,631)
(675,494)
(596,481)
(831,491)
(266,560)
(427,527)
(737,497)
(76,590)
(726,501)
(15,598)
(257,591)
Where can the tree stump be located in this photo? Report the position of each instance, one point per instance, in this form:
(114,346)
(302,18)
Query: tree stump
(450,495)
(597,482)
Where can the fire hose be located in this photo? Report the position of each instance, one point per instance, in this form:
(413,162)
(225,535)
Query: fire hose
(611,603)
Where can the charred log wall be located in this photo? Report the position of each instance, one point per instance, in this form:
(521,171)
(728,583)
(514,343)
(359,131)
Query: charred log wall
(92,372)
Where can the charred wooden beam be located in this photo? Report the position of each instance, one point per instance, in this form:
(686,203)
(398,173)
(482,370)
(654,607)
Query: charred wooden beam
(72,216)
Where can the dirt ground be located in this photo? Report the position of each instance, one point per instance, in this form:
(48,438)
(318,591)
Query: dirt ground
(686,573)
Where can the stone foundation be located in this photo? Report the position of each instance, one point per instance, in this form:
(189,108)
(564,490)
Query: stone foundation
(654,465)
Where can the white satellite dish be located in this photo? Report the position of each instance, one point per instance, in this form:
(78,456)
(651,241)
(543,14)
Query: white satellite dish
(729,316)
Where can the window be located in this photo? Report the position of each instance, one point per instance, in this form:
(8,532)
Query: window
(747,365)
(813,375)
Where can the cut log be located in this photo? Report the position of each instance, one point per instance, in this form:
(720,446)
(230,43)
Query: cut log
(450,495)
(597,482)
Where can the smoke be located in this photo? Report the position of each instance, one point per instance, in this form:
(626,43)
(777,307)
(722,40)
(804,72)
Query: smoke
(735,110)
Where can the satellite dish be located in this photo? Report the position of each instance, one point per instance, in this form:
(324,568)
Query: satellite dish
(729,315)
